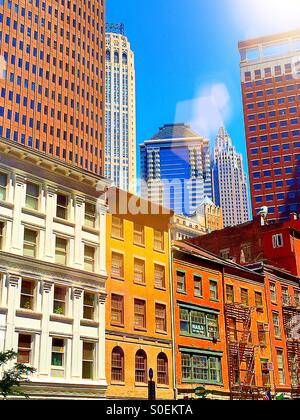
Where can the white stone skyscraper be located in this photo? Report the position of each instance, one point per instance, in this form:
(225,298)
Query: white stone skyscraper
(120,110)
(230,181)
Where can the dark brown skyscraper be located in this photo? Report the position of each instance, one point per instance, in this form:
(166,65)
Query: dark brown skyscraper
(51,89)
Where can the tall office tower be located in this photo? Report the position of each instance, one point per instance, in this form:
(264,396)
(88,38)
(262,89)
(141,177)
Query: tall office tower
(230,181)
(51,92)
(120,132)
(271,94)
(176,169)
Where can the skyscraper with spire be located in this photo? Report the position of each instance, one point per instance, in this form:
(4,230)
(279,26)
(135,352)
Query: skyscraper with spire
(230,181)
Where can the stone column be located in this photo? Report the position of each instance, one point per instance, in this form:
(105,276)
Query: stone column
(47,298)
(51,193)
(101,374)
(13,299)
(17,238)
(102,211)
(79,218)
(76,344)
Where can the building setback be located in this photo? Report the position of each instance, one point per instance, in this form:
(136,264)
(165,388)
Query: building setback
(53,272)
(52,88)
(120,111)
(230,181)
(175,169)
(271,95)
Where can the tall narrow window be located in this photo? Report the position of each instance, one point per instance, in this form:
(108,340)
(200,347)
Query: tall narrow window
(58,357)
(117,365)
(117,310)
(245,297)
(117,230)
(139,314)
(32,196)
(1,236)
(117,265)
(89,306)
(181,282)
(139,271)
(62,206)
(229,294)
(88,360)
(139,234)
(90,215)
(89,258)
(273,292)
(141,367)
(159,276)
(61,248)
(24,349)
(276,322)
(162,369)
(27,295)
(161,318)
(30,243)
(3,186)
(281,368)
(198,286)
(213,288)
(59,303)
(159,244)
(259,300)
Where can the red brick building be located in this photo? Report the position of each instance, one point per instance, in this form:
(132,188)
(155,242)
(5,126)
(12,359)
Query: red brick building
(271,97)
(52,78)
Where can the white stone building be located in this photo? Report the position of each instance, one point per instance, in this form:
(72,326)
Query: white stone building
(53,272)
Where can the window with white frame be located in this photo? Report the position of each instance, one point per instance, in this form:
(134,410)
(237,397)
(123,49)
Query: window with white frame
(61,251)
(59,302)
(277,241)
(90,215)
(32,196)
(89,258)
(58,357)
(89,306)
(62,206)
(30,243)
(88,359)
(3,186)
(27,295)
(24,349)
(2,236)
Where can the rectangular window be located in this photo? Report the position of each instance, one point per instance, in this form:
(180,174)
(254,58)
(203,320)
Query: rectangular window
(259,300)
(159,244)
(198,292)
(32,196)
(61,251)
(24,349)
(3,186)
(59,303)
(281,369)
(138,234)
(159,276)
(88,360)
(30,243)
(161,318)
(117,310)
(201,369)
(27,295)
(277,241)
(213,288)
(117,266)
(181,282)
(90,215)
(89,258)
(276,322)
(139,314)
(89,306)
(139,271)
(199,324)
(229,294)
(1,236)
(273,292)
(57,355)
(117,229)
(262,337)
(62,206)
(245,297)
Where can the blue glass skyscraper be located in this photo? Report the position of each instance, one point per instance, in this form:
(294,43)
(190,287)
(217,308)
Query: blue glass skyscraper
(176,169)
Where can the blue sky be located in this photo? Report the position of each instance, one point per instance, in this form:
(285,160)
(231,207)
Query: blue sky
(186,51)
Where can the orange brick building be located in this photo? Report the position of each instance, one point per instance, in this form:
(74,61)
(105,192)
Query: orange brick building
(52,78)
(138,317)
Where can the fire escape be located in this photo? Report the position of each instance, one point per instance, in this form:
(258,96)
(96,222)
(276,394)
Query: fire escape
(291,314)
(241,352)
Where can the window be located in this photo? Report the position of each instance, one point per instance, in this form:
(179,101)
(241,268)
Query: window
(246,253)
(276,322)
(24,349)
(89,258)
(32,196)
(266,379)
(61,248)
(89,306)
(138,235)
(213,288)
(30,243)
(245,297)
(1,236)
(139,314)
(273,292)
(277,241)
(57,355)
(90,215)
(117,266)
(159,276)
(229,294)
(117,310)
(198,286)
(159,241)
(259,300)
(201,368)
(27,295)
(88,360)
(162,370)
(141,367)
(139,271)
(181,282)
(262,337)
(281,369)
(199,323)
(225,254)
(160,318)
(62,206)
(3,186)
(117,228)
(117,365)
(59,303)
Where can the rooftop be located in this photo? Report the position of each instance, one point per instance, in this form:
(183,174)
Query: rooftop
(175,131)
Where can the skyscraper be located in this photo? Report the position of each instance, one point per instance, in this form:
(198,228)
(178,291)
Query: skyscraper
(51,93)
(271,96)
(120,138)
(176,169)
(230,181)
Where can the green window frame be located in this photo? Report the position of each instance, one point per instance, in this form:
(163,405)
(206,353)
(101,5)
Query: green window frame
(201,369)
(199,324)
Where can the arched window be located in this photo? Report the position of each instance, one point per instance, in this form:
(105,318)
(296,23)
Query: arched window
(117,365)
(124,59)
(107,55)
(116,58)
(141,367)
(162,370)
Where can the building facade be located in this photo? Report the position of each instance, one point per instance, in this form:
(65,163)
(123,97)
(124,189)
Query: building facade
(271,88)
(230,181)
(52,87)
(120,131)
(175,169)
(53,272)
(139,306)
